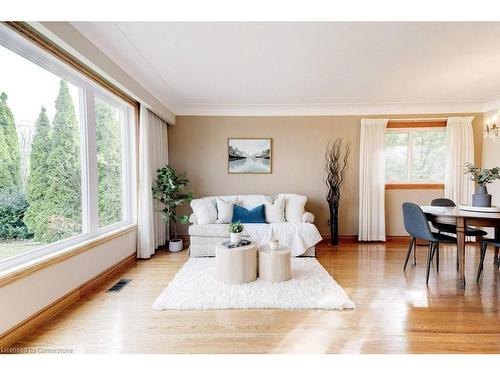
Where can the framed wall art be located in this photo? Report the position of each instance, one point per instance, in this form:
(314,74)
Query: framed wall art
(249,155)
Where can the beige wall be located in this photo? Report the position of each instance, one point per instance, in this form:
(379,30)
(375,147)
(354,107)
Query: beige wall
(393,200)
(198,146)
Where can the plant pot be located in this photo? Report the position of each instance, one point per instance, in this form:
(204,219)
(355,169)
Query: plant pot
(481,198)
(235,237)
(175,245)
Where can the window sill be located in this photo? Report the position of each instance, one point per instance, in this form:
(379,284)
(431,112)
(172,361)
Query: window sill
(25,269)
(413,186)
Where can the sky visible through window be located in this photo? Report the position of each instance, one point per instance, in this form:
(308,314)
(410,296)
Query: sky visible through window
(29,87)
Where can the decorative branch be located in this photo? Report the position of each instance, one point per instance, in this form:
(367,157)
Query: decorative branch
(336,164)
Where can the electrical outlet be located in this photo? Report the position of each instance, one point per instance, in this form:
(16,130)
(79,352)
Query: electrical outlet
(328,222)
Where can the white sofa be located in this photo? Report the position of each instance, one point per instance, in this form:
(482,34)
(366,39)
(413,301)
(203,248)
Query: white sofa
(204,236)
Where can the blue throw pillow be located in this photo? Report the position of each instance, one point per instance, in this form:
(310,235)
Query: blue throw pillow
(255,215)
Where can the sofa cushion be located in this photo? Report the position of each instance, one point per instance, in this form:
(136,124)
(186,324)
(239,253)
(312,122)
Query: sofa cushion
(307,217)
(247,201)
(212,230)
(294,207)
(225,209)
(275,211)
(205,210)
(243,215)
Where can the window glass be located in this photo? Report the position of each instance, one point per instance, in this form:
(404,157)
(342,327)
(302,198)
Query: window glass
(40,163)
(428,156)
(64,177)
(415,156)
(396,157)
(109,127)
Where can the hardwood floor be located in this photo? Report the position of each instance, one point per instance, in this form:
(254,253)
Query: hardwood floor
(396,312)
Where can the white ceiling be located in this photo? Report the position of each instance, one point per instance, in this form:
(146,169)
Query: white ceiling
(308,68)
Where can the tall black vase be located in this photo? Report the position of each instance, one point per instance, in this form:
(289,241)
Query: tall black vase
(334,224)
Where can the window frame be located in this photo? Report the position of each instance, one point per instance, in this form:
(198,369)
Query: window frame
(410,128)
(88,89)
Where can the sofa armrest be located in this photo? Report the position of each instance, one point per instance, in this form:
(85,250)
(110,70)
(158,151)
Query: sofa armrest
(307,217)
(193,219)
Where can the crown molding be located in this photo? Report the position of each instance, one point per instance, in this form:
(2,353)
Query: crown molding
(346,109)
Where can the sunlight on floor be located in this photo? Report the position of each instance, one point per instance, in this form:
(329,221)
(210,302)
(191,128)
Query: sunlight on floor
(417,298)
(305,339)
(393,320)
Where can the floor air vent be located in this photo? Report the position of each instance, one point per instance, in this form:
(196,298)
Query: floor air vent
(119,285)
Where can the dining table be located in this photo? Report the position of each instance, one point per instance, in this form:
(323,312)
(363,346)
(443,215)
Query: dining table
(462,218)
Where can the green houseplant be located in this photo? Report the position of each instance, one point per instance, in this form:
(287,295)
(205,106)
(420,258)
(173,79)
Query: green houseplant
(481,177)
(235,230)
(170,189)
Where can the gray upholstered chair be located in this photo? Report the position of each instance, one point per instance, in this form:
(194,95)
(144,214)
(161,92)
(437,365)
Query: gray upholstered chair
(417,226)
(484,245)
(450,228)
(443,202)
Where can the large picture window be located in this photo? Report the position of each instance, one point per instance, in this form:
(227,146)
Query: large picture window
(66,170)
(415,155)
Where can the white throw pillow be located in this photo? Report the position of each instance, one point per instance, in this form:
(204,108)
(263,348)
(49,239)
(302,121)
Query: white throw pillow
(275,211)
(225,210)
(294,207)
(308,217)
(205,210)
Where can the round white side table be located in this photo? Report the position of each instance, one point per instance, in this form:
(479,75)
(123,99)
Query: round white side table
(237,265)
(275,265)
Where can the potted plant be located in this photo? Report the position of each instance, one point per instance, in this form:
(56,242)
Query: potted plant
(235,230)
(170,189)
(481,177)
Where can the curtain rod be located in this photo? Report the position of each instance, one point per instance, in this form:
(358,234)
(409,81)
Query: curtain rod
(421,119)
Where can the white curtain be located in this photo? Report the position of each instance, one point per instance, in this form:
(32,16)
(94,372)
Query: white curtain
(460,149)
(153,154)
(372,180)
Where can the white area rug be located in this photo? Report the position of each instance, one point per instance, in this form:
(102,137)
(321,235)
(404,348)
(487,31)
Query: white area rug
(194,288)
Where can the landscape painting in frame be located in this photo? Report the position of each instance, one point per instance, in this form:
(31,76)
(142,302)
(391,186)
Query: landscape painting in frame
(249,155)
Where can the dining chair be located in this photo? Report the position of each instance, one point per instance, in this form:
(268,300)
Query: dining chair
(484,245)
(451,228)
(417,226)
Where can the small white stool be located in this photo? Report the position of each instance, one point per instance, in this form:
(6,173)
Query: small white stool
(237,265)
(275,265)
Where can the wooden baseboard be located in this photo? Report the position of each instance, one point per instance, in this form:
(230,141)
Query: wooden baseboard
(185,238)
(342,239)
(354,239)
(28,325)
(397,239)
